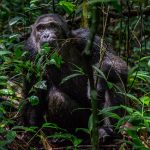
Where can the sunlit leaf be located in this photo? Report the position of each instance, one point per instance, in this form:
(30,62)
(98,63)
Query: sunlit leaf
(145,100)
(56,59)
(15,20)
(67,6)
(5,52)
(45,48)
(148,63)
(41,85)
(6,92)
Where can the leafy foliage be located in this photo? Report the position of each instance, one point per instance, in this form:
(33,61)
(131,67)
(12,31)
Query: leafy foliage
(128,32)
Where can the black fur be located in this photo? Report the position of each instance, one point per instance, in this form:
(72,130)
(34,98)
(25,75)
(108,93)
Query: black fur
(60,102)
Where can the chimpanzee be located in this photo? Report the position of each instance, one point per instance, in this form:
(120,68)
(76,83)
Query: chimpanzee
(68,104)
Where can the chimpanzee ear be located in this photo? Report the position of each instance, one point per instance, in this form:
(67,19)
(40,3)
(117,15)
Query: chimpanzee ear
(32,27)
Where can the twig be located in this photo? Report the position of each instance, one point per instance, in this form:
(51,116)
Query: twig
(93,92)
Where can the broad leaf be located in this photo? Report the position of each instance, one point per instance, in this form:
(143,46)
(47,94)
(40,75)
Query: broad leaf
(67,6)
(4,52)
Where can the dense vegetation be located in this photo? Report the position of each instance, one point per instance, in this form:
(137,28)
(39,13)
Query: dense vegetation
(123,24)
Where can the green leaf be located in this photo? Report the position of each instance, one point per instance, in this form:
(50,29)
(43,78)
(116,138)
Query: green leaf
(6,92)
(78,69)
(137,143)
(41,85)
(18,53)
(76,141)
(3,78)
(3,144)
(83,129)
(130,96)
(112,115)
(100,72)
(45,48)
(33,1)
(34,100)
(14,20)
(148,63)
(90,123)
(31,129)
(93,94)
(49,125)
(4,52)
(11,136)
(146,57)
(53,61)
(122,121)
(145,100)
(19,128)
(128,109)
(56,59)
(108,112)
(110,85)
(70,77)
(108,109)
(116,5)
(143,74)
(67,6)
(13,36)
(52,126)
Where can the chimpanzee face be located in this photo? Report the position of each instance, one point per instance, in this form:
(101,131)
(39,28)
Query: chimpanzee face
(48,31)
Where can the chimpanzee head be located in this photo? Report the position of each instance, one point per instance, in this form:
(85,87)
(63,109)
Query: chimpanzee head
(51,29)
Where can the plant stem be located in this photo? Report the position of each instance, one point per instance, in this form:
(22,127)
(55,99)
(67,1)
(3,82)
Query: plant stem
(93,94)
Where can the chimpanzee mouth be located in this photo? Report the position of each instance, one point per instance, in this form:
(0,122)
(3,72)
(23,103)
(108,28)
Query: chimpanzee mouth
(51,44)
(51,40)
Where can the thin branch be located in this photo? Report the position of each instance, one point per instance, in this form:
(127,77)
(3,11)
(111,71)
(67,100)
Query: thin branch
(93,93)
(132,13)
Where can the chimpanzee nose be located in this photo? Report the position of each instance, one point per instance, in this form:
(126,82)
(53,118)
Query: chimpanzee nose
(46,36)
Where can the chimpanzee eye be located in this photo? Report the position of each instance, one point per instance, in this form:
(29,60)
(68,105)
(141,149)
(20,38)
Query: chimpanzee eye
(53,26)
(40,28)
